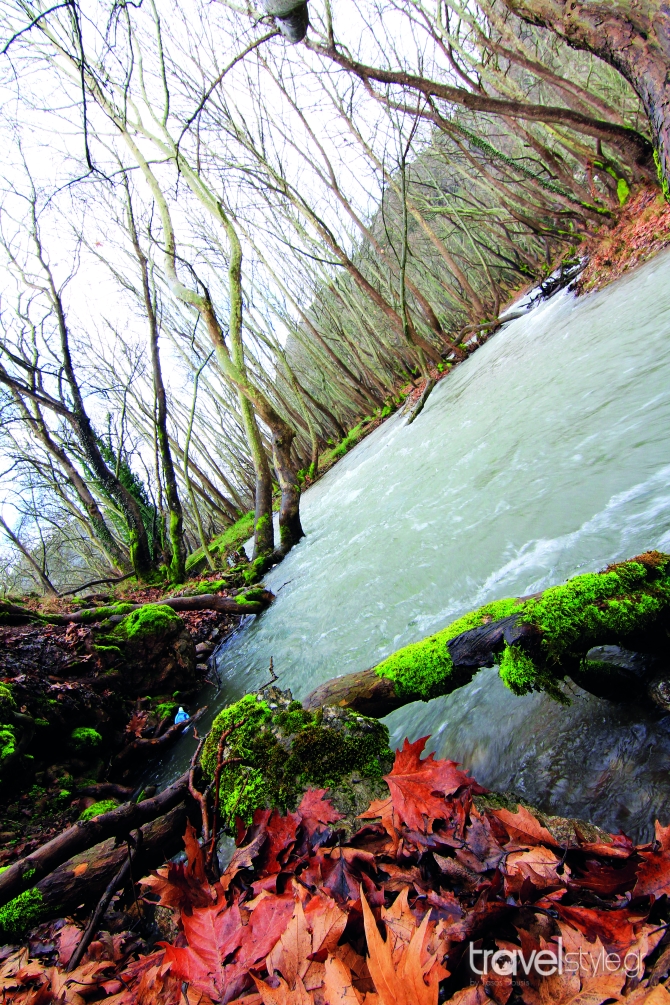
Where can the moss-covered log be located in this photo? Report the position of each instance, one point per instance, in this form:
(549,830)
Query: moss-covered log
(252,601)
(537,642)
(119,822)
(81,880)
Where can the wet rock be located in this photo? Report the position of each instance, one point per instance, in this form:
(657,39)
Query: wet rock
(615,673)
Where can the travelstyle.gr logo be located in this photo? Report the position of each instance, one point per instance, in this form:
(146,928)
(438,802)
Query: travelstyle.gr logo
(546,962)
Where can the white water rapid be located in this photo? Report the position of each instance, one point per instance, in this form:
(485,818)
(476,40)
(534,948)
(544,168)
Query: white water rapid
(546,454)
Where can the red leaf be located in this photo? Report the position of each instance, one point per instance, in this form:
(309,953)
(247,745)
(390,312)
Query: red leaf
(281,832)
(315,810)
(653,875)
(418,786)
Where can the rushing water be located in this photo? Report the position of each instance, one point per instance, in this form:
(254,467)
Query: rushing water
(544,455)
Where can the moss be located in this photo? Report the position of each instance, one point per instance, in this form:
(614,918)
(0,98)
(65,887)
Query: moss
(84,738)
(7,742)
(21,913)
(95,809)
(166,709)
(600,607)
(7,702)
(152,619)
(284,749)
(250,597)
(424,670)
(102,613)
(230,540)
(519,673)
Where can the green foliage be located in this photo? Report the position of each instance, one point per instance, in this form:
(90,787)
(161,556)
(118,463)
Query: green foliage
(21,913)
(662,180)
(284,750)
(85,739)
(152,619)
(95,809)
(166,709)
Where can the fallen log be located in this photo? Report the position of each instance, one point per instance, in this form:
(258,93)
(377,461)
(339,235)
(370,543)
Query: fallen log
(537,641)
(28,871)
(252,602)
(149,746)
(81,880)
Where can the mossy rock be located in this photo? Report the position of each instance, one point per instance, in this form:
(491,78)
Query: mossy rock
(151,649)
(284,749)
(85,740)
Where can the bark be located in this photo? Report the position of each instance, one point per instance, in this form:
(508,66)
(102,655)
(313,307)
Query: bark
(84,834)
(82,878)
(375,696)
(633,37)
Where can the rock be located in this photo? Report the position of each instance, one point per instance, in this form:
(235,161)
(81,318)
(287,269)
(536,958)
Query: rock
(658,690)
(150,648)
(615,673)
(204,648)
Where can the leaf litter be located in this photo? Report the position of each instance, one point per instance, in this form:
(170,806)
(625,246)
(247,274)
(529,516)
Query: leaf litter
(438,897)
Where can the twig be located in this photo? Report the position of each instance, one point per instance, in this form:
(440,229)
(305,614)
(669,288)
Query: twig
(273,678)
(220,765)
(96,582)
(200,797)
(118,881)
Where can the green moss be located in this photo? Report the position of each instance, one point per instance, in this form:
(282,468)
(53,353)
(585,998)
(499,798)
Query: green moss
(152,619)
(285,749)
(600,607)
(166,709)
(95,809)
(21,913)
(84,738)
(7,702)
(520,674)
(7,742)
(424,670)
(249,597)
(230,540)
(102,613)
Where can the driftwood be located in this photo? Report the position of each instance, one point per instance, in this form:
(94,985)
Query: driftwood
(203,602)
(28,871)
(148,746)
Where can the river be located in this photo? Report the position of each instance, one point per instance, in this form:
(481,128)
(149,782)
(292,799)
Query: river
(544,455)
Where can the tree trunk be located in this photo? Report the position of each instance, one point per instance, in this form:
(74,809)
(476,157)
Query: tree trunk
(634,38)
(176,516)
